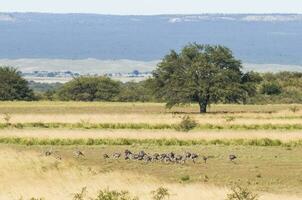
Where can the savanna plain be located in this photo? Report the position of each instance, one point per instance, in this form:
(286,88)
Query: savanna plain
(52,150)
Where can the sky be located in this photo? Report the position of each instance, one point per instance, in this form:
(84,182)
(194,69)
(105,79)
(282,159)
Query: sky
(151,7)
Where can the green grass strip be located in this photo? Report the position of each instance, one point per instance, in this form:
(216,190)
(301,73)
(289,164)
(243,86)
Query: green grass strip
(159,142)
(150,126)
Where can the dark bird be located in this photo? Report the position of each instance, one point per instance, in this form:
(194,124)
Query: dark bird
(127,152)
(194,157)
(48,153)
(188,155)
(205,158)
(105,156)
(232,157)
(79,153)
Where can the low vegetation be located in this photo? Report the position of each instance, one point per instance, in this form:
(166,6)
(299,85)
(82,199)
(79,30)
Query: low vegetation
(160,194)
(186,124)
(239,192)
(160,142)
(113,195)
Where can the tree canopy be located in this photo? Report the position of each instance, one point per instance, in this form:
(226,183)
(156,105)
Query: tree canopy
(13,86)
(204,74)
(90,89)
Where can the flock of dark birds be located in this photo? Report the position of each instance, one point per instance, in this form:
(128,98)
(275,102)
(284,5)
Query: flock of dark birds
(170,157)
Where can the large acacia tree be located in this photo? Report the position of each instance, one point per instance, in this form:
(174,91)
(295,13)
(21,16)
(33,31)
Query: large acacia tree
(204,74)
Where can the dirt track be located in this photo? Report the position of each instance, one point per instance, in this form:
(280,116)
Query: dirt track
(151,134)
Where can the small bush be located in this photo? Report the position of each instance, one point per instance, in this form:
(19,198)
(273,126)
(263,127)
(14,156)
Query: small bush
(160,194)
(84,124)
(186,124)
(113,195)
(241,193)
(185,178)
(229,118)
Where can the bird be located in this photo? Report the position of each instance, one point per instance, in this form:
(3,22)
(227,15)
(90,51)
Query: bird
(79,153)
(48,152)
(194,156)
(232,157)
(105,156)
(188,155)
(205,158)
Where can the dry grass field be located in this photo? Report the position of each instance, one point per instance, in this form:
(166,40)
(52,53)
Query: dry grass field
(26,173)
(273,171)
(151,113)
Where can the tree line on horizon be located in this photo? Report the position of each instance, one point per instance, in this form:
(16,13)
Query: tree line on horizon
(201,74)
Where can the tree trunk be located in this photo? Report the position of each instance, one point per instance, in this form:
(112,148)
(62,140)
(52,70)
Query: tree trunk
(203,106)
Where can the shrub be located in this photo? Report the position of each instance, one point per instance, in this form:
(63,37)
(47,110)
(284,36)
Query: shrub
(185,178)
(90,88)
(84,124)
(113,195)
(241,193)
(160,194)
(229,118)
(186,124)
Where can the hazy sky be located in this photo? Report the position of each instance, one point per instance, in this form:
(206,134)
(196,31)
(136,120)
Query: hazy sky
(152,6)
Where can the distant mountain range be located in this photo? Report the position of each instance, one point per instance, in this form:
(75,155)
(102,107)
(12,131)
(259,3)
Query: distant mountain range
(257,39)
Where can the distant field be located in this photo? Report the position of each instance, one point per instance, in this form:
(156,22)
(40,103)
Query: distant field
(266,138)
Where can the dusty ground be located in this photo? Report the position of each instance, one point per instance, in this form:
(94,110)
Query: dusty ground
(149,134)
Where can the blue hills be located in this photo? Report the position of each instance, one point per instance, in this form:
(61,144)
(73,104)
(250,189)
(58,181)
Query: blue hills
(259,39)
